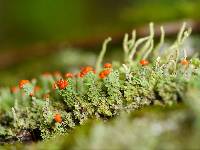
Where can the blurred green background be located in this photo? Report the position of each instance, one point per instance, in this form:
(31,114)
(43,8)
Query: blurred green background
(26,23)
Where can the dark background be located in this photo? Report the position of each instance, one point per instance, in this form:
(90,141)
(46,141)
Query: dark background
(24,22)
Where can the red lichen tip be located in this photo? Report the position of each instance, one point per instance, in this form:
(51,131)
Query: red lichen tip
(58,118)
(79,75)
(86,69)
(184,62)
(14,89)
(101,75)
(31,94)
(107,65)
(22,83)
(104,73)
(62,84)
(69,75)
(144,62)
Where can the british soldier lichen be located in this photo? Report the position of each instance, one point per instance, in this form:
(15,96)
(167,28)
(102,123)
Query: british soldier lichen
(100,92)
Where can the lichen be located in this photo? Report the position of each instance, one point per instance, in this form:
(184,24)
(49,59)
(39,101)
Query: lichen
(161,80)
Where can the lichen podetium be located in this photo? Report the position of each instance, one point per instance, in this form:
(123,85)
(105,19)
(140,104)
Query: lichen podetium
(146,78)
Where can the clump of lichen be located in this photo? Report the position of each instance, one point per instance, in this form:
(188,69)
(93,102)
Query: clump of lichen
(55,104)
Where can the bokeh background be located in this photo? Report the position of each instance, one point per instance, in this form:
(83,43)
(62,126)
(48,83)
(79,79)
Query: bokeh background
(49,35)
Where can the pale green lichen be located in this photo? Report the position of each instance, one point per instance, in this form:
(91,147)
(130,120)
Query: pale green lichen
(128,87)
